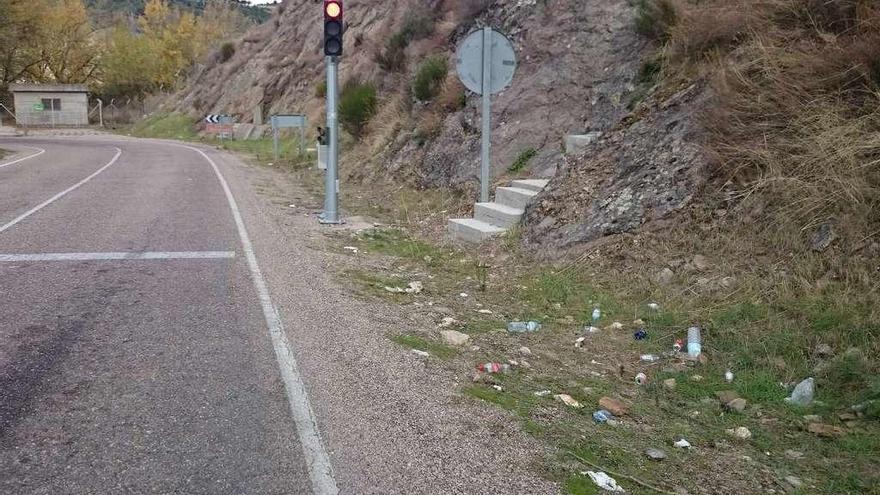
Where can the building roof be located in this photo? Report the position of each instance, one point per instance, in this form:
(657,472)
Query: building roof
(48,88)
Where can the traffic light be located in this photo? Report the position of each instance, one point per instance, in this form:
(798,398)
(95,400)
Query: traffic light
(333,28)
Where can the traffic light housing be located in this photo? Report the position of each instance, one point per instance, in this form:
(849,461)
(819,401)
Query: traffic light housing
(333,28)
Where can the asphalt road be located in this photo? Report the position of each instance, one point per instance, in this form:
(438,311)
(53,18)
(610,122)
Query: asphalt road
(169,323)
(134,351)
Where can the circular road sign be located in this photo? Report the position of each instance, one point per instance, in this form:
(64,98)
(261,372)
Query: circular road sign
(469,61)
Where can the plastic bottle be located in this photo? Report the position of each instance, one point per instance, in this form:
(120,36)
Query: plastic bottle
(523,326)
(597,315)
(695,344)
(641,378)
(802,395)
(493,367)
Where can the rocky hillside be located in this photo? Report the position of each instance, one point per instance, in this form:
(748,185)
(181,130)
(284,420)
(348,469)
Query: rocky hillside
(580,71)
(682,95)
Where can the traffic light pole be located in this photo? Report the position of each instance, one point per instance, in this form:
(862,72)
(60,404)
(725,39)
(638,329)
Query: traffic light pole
(487,115)
(331,182)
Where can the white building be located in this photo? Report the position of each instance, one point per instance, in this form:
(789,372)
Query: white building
(51,105)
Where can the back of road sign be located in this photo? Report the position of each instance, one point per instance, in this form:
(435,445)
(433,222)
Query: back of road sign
(469,62)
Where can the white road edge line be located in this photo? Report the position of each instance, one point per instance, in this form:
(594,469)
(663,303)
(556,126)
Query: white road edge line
(148,255)
(317,460)
(34,155)
(60,195)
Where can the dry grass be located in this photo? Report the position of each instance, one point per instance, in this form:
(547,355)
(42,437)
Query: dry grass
(390,119)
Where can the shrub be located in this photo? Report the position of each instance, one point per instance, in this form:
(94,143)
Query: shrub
(227,50)
(357,106)
(416,25)
(656,18)
(522,161)
(321,89)
(429,77)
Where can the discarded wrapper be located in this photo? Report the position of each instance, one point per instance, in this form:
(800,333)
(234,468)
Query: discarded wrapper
(604,481)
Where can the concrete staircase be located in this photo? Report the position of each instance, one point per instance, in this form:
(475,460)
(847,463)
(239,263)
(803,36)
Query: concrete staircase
(491,219)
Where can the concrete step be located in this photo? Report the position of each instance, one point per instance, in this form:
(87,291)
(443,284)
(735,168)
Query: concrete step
(496,214)
(471,230)
(514,197)
(537,185)
(577,143)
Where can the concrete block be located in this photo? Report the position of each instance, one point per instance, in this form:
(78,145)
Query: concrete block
(536,185)
(497,214)
(514,197)
(471,230)
(577,143)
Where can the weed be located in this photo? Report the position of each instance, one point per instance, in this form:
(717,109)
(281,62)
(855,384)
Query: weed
(227,50)
(522,161)
(481,272)
(394,242)
(357,105)
(321,89)
(437,349)
(429,77)
(166,126)
(656,18)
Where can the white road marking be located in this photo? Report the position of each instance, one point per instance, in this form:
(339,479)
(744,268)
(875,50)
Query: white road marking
(38,153)
(317,460)
(160,255)
(60,195)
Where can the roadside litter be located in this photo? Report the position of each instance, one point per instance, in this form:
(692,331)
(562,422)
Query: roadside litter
(640,334)
(604,481)
(353,249)
(802,395)
(654,306)
(682,444)
(493,367)
(596,316)
(592,329)
(602,416)
(650,358)
(641,378)
(412,288)
(523,327)
(728,376)
(542,393)
(421,353)
(568,400)
(695,343)
(580,342)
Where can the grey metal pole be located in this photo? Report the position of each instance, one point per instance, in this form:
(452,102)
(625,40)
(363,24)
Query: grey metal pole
(302,140)
(331,183)
(275,140)
(487,115)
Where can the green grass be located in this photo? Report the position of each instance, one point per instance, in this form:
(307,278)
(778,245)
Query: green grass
(523,160)
(395,242)
(436,349)
(166,126)
(264,152)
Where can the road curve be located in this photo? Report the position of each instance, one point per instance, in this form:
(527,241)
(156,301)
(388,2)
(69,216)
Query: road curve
(133,342)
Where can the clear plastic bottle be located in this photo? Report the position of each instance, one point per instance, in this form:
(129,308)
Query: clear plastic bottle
(597,315)
(695,344)
(523,326)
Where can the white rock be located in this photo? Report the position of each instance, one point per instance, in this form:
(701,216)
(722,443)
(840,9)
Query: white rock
(448,322)
(665,276)
(454,337)
(525,351)
(420,353)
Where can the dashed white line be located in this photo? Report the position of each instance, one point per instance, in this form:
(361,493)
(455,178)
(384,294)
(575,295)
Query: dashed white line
(317,460)
(60,195)
(34,155)
(148,255)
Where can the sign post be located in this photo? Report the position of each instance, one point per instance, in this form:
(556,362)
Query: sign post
(486,62)
(288,121)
